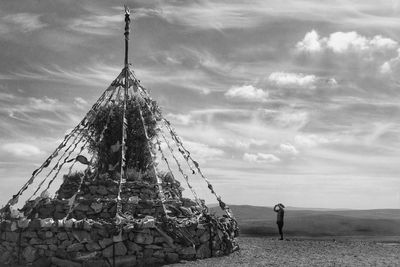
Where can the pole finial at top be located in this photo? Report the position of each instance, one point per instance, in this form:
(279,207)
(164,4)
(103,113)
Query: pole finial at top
(127,21)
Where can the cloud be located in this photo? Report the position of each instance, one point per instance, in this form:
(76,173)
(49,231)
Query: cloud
(342,42)
(391,65)
(287,79)
(310,140)
(300,80)
(45,104)
(21,149)
(80,102)
(310,43)
(184,119)
(203,152)
(98,74)
(260,158)
(288,149)
(23,22)
(247,93)
(96,24)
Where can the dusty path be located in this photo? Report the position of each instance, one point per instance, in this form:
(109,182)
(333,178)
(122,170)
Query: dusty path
(258,251)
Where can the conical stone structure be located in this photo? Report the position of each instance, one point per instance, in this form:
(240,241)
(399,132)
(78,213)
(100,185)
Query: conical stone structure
(116,206)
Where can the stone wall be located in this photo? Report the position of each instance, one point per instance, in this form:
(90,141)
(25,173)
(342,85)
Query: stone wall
(45,242)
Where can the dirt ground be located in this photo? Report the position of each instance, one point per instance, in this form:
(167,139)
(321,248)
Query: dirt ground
(259,251)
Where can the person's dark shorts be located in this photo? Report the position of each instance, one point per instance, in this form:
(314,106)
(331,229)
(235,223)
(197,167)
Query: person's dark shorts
(280,224)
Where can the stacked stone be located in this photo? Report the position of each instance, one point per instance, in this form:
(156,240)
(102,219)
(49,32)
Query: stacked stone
(89,236)
(45,242)
(97,199)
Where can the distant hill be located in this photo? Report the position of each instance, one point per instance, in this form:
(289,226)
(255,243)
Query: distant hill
(255,220)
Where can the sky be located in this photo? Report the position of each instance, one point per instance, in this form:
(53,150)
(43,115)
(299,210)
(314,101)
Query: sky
(291,101)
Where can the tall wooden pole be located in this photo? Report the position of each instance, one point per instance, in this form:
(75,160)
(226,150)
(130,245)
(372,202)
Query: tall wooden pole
(127,21)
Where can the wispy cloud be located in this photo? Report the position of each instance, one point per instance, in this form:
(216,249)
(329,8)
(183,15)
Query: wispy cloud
(96,75)
(21,22)
(21,150)
(96,24)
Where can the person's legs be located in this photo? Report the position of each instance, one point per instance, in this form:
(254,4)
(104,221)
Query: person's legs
(280,226)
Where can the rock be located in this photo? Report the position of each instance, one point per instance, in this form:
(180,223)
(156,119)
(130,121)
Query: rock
(172,257)
(82,236)
(29,254)
(86,256)
(128,260)
(133,247)
(11,236)
(153,247)
(92,189)
(35,241)
(120,249)
(75,247)
(158,254)
(105,242)
(147,253)
(42,262)
(159,239)
(62,236)
(142,238)
(205,237)
(187,251)
(97,207)
(53,247)
(48,234)
(82,207)
(102,190)
(203,251)
(5,257)
(64,263)
(108,252)
(96,263)
(65,243)
(29,234)
(35,224)
(92,246)
(44,247)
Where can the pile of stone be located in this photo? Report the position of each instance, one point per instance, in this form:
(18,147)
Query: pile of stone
(48,242)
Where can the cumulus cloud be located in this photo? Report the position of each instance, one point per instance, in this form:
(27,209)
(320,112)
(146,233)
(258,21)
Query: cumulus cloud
(310,43)
(260,158)
(247,93)
(288,149)
(300,80)
(342,42)
(287,79)
(21,149)
(388,66)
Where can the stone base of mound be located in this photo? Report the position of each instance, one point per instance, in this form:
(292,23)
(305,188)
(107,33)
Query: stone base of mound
(45,242)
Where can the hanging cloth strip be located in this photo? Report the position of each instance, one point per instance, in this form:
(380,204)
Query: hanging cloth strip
(46,163)
(122,179)
(67,160)
(158,178)
(73,198)
(186,154)
(186,178)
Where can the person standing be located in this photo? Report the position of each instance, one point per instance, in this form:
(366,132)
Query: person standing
(279,209)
